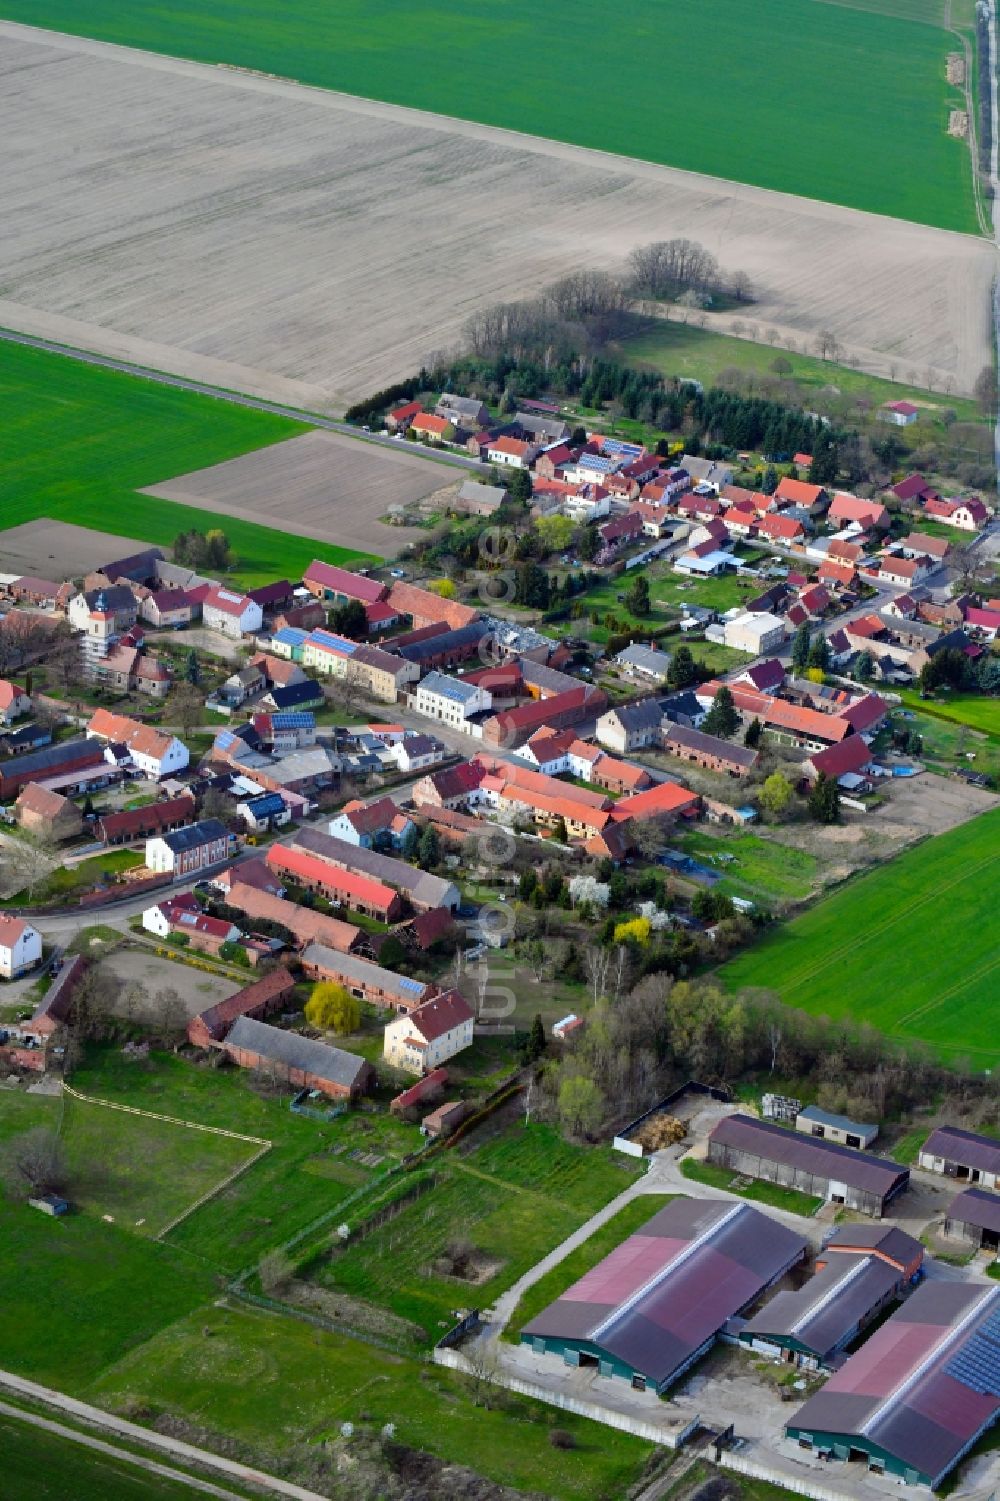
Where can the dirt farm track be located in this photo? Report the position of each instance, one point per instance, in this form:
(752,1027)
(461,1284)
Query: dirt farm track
(309,247)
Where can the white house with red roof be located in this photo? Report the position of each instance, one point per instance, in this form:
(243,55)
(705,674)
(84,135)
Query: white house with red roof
(899,413)
(512,453)
(230,612)
(983,621)
(13,702)
(20,947)
(430,1034)
(969,515)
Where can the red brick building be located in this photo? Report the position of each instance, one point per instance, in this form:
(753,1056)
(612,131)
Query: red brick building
(264,996)
(299,1061)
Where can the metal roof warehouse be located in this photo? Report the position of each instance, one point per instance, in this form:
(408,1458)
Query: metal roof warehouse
(919,1393)
(652,1307)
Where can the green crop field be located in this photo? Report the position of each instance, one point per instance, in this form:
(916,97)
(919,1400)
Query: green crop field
(682,350)
(910,948)
(42,1466)
(79,442)
(971,709)
(834,102)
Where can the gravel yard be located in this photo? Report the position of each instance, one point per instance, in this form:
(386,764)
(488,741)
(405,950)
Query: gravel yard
(151,974)
(310,246)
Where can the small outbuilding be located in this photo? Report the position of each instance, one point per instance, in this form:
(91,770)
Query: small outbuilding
(823,1125)
(963,1155)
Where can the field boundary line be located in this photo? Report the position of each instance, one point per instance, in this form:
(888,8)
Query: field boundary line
(171,1120)
(946,995)
(101,1446)
(97,1417)
(211,1193)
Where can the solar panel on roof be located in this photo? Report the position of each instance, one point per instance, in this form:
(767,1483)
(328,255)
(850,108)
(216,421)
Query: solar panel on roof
(413,985)
(977,1364)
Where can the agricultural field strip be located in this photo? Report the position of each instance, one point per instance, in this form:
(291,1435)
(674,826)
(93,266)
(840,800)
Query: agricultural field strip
(847,74)
(123,1456)
(877,929)
(95,1416)
(307,227)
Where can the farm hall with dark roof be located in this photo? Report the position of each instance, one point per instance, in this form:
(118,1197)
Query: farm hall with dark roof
(916,1397)
(760,1149)
(655,1305)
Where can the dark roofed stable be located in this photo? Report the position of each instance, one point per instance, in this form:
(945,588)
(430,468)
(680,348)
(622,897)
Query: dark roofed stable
(297,1060)
(657,1302)
(975,1215)
(919,1392)
(813,1324)
(962,1154)
(838,1174)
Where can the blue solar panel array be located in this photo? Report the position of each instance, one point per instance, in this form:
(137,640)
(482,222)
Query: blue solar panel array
(303,719)
(336,643)
(977,1364)
(616,445)
(416,986)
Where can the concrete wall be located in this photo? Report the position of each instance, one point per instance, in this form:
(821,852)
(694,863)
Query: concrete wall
(803,1486)
(669,1439)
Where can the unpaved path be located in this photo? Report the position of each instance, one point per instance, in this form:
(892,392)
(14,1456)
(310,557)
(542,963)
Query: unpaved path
(95,1416)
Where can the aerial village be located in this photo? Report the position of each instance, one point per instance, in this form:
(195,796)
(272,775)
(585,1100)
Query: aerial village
(351,805)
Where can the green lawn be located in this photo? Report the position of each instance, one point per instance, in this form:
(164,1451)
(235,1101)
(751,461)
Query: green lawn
(680,349)
(39,1466)
(142,1173)
(971,709)
(80,441)
(307,1173)
(603,1241)
(848,77)
(909,948)
(760,868)
(758,1191)
(272,1383)
(948,743)
(66,882)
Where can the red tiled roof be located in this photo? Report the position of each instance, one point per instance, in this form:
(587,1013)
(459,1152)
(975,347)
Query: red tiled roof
(865,713)
(354,887)
(423,604)
(797,492)
(786,527)
(852,508)
(149,820)
(837,760)
(441,1014)
(426,422)
(342,581)
(665,797)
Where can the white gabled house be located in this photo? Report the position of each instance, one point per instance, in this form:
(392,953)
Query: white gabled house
(20,947)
